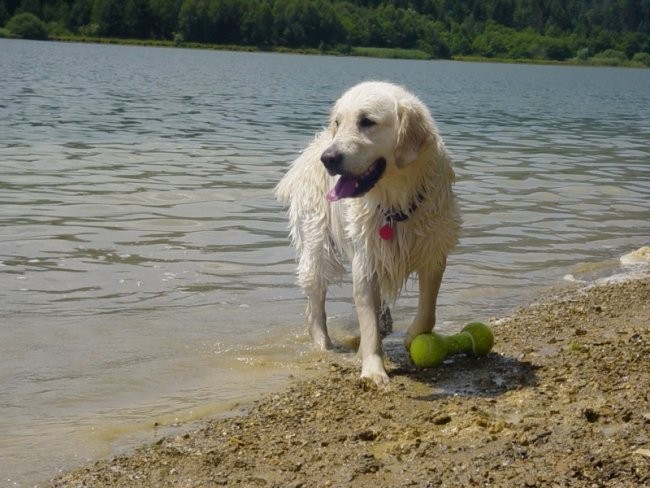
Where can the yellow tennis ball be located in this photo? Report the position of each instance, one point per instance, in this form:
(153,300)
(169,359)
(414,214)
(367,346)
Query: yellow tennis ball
(482,338)
(427,350)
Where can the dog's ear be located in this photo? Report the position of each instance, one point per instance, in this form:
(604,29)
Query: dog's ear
(414,129)
(332,126)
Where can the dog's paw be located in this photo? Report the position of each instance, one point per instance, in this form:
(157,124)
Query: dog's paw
(409,338)
(367,384)
(321,340)
(373,370)
(417,327)
(407,341)
(376,379)
(323,344)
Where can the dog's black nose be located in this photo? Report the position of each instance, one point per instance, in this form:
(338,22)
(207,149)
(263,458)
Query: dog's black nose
(332,160)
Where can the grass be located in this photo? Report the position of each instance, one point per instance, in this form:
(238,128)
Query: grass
(594,61)
(389,53)
(146,42)
(576,347)
(374,52)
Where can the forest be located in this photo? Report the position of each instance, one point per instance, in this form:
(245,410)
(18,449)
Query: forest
(609,31)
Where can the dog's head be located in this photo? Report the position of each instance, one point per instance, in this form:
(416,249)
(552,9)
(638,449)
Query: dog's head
(375,126)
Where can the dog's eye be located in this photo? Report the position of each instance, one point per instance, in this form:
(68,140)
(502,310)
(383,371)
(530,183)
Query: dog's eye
(365,122)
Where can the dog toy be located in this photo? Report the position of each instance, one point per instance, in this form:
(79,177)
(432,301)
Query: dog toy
(431,349)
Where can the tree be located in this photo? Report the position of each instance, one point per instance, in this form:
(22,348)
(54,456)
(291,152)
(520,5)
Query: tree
(549,29)
(109,17)
(164,17)
(493,41)
(30,6)
(4,14)
(57,11)
(27,26)
(224,21)
(529,13)
(296,23)
(431,41)
(193,20)
(330,27)
(557,49)
(257,23)
(80,13)
(354,23)
(633,42)
(137,19)
(502,12)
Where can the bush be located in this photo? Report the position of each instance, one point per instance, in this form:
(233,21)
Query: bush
(611,54)
(27,26)
(642,58)
(89,30)
(610,57)
(633,42)
(57,29)
(557,49)
(5,33)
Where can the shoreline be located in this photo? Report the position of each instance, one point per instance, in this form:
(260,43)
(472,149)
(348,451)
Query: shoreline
(561,401)
(364,52)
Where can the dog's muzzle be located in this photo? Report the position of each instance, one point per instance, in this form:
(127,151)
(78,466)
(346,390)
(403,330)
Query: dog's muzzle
(332,159)
(349,186)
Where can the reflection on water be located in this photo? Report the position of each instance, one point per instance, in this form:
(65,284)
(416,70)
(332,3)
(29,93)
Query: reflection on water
(145,273)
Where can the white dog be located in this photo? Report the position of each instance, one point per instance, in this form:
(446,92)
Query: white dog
(375,186)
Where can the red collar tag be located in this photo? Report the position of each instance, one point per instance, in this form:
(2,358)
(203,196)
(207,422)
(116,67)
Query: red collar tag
(386,231)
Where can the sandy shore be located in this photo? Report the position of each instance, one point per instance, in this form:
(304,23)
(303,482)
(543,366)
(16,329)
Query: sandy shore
(564,400)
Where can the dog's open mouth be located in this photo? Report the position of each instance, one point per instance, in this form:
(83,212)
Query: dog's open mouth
(355,186)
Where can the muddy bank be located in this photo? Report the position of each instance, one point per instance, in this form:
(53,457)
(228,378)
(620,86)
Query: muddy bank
(564,400)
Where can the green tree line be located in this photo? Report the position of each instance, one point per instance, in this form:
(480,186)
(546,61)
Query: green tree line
(530,29)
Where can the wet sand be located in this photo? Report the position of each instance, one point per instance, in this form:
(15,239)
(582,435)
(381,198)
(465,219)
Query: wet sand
(563,400)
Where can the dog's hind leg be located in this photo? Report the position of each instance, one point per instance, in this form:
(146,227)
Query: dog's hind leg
(385,321)
(425,319)
(317,318)
(318,265)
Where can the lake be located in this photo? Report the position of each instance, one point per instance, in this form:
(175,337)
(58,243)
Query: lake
(146,277)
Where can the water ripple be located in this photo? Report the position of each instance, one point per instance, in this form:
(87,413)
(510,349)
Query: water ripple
(138,226)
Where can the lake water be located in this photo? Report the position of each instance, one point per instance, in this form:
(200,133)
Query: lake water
(145,271)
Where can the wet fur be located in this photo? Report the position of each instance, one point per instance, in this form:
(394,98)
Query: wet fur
(323,233)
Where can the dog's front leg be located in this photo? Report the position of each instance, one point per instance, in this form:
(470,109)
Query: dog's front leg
(425,319)
(367,302)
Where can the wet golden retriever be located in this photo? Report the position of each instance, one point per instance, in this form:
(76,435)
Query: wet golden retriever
(375,186)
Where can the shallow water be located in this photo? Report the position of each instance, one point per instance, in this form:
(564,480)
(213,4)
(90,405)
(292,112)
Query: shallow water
(145,273)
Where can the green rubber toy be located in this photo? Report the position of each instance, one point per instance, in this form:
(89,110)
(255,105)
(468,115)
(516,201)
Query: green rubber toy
(431,349)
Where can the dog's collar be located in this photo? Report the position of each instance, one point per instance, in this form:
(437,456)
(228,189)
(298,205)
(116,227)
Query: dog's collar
(387,230)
